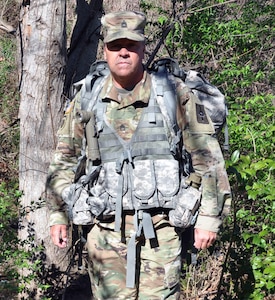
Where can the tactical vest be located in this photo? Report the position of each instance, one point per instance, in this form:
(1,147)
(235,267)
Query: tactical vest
(134,173)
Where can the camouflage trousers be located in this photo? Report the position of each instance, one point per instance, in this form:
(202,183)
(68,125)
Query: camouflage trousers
(158,262)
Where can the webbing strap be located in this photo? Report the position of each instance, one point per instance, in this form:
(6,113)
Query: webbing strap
(131,262)
(148,229)
(166,100)
(118,212)
(147,225)
(126,155)
(134,153)
(151,151)
(152,110)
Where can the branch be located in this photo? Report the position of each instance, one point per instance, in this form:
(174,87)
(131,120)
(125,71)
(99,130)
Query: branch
(210,6)
(6,27)
(172,25)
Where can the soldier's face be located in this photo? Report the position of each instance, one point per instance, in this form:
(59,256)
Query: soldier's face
(124,58)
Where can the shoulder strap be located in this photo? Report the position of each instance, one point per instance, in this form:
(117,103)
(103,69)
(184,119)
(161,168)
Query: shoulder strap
(165,93)
(93,84)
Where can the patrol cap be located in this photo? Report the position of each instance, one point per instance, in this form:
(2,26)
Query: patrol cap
(124,25)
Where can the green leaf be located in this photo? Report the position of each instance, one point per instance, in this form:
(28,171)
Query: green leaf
(270,285)
(257,263)
(235,156)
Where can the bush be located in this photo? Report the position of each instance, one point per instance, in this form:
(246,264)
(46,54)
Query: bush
(9,196)
(233,45)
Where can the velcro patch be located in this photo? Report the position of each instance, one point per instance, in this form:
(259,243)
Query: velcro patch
(201,115)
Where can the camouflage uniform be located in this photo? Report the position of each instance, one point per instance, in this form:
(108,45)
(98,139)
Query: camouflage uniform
(158,260)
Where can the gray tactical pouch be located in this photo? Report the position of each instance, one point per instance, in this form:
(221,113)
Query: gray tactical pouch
(78,200)
(185,213)
(77,204)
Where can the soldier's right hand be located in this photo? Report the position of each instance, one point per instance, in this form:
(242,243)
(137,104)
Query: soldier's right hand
(59,235)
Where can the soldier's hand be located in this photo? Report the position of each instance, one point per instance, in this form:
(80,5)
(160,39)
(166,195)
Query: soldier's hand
(59,235)
(204,238)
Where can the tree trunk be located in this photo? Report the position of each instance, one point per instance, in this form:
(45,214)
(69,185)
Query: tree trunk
(120,5)
(42,44)
(84,41)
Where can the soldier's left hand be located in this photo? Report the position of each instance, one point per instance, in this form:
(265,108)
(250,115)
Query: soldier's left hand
(204,238)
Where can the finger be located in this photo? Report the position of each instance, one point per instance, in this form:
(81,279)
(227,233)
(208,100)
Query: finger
(63,236)
(204,239)
(197,245)
(200,246)
(55,235)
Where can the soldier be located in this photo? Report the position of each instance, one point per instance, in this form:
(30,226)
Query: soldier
(135,193)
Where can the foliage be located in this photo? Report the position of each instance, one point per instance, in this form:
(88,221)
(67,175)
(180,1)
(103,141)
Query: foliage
(254,164)
(9,196)
(8,68)
(9,141)
(233,45)
(251,124)
(14,255)
(255,167)
(17,256)
(9,131)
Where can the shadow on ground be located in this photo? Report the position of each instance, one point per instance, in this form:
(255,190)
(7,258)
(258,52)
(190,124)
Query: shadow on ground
(78,289)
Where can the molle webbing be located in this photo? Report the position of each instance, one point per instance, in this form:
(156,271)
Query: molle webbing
(149,138)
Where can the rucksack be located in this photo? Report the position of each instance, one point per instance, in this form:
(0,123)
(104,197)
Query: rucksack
(209,95)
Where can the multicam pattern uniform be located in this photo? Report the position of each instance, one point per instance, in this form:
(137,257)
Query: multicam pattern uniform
(123,114)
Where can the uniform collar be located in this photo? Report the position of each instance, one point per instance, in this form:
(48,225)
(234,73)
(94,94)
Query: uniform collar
(140,93)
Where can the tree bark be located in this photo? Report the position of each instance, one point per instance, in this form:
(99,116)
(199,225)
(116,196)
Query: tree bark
(120,5)
(42,44)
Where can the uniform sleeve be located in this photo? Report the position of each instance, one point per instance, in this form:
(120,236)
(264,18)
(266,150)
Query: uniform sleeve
(62,168)
(207,161)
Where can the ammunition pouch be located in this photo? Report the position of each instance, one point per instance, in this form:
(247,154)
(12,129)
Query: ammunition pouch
(186,211)
(83,206)
(80,206)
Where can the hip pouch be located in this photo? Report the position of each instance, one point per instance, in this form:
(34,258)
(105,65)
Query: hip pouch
(78,199)
(185,213)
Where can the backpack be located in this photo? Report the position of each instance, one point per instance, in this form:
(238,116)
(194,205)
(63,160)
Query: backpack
(210,96)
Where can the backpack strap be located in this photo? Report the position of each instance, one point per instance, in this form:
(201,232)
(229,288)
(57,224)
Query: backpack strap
(93,84)
(165,93)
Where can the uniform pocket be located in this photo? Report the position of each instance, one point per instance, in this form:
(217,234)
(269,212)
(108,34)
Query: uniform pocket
(186,210)
(81,212)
